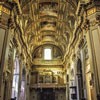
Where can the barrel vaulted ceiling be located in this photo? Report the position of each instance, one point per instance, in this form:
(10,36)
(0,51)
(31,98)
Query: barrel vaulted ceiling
(48,22)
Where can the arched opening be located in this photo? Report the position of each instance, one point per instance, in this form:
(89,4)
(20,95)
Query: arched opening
(80,80)
(15,83)
(23,82)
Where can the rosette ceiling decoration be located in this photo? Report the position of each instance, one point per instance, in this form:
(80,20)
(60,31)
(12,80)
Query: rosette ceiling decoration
(48,22)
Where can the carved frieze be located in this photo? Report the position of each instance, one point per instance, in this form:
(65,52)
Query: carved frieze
(86,24)
(93,22)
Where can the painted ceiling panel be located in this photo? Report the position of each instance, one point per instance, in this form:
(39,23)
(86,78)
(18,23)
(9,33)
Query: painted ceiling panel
(49,22)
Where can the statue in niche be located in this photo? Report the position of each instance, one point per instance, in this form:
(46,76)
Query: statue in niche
(54,79)
(41,79)
(47,78)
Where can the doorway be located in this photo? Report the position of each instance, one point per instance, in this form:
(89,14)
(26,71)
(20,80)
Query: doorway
(80,80)
(47,94)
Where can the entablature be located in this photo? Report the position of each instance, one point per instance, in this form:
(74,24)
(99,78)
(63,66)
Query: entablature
(48,85)
(47,62)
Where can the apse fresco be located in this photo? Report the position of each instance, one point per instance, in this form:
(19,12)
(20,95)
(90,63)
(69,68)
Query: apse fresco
(54,52)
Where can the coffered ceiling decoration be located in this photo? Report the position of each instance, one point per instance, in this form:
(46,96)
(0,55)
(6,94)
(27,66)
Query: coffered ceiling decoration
(48,22)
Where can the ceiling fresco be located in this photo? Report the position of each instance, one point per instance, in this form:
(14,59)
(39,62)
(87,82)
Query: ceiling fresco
(48,22)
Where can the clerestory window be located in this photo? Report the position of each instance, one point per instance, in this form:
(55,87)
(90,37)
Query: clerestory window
(47,54)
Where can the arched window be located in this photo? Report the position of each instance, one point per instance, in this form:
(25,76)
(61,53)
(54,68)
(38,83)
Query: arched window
(80,79)
(22,90)
(47,54)
(15,79)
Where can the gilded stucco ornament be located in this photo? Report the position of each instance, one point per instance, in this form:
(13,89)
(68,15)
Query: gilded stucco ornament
(73,57)
(86,24)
